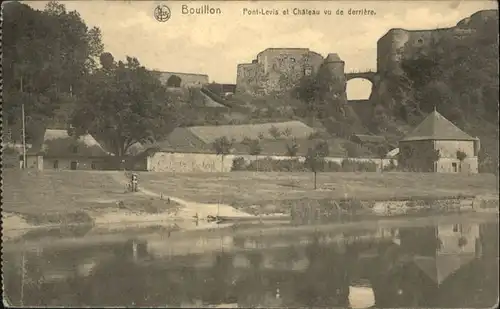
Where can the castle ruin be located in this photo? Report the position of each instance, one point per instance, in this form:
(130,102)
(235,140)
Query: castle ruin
(279,69)
(400,44)
(182,80)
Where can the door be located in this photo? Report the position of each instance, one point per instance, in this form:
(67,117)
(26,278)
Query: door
(73,165)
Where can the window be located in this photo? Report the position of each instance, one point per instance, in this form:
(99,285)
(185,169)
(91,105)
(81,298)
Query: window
(93,166)
(56,164)
(74,149)
(454,167)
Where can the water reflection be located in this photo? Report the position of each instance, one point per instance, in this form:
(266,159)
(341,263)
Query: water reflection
(452,265)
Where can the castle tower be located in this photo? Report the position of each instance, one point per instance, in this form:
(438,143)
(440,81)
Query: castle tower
(335,65)
(335,68)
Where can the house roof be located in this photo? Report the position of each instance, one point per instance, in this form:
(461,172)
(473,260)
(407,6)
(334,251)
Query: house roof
(87,139)
(393,153)
(184,141)
(54,134)
(436,127)
(364,138)
(278,147)
(208,134)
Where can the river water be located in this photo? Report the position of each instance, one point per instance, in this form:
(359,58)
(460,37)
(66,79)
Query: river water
(444,263)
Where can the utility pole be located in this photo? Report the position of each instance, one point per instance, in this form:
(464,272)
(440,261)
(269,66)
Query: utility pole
(24,137)
(23,273)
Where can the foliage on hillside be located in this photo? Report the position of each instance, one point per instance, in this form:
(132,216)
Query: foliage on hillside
(122,104)
(458,77)
(47,55)
(51,66)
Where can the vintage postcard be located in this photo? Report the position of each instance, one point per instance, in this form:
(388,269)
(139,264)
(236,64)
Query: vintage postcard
(225,154)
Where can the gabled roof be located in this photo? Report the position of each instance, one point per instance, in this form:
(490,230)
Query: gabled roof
(208,134)
(59,134)
(364,138)
(436,127)
(87,139)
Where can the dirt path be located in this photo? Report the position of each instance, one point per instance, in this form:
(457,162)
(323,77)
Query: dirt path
(189,209)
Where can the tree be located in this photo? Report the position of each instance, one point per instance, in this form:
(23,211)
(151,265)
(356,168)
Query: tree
(254,148)
(275,132)
(46,54)
(222,146)
(107,61)
(124,105)
(307,91)
(433,156)
(315,158)
(292,148)
(381,153)
(287,132)
(462,242)
(461,156)
(352,150)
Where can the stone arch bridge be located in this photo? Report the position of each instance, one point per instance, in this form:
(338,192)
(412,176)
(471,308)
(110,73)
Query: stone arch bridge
(366,74)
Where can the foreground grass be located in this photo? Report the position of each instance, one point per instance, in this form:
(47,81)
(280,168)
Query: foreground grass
(53,197)
(66,197)
(251,188)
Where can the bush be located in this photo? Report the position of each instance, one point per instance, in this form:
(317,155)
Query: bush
(352,150)
(391,167)
(331,166)
(294,165)
(356,166)
(239,164)
(271,165)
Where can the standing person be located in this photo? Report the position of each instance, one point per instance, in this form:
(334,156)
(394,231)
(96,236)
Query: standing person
(135,181)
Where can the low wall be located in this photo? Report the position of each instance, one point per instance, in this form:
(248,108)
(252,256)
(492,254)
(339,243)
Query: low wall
(199,162)
(189,162)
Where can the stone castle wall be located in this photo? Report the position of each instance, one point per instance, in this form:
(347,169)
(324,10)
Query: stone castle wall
(187,79)
(277,69)
(399,44)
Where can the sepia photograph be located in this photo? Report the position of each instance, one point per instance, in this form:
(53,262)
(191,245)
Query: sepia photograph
(250,154)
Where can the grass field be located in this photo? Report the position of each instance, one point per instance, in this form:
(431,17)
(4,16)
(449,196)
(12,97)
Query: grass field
(248,188)
(48,192)
(52,197)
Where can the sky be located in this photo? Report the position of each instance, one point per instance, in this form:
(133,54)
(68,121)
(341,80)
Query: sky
(215,44)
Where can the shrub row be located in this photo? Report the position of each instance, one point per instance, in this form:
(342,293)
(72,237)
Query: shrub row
(294,165)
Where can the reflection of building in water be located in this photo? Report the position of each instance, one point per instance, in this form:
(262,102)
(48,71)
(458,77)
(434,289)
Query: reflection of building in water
(441,251)
(458,238)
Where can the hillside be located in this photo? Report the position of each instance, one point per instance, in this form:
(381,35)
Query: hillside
(459,77)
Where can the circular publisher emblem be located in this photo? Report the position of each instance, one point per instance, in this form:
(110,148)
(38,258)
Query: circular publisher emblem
(162,13)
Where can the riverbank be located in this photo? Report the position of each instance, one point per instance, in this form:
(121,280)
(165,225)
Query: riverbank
(179,218)
(56,199)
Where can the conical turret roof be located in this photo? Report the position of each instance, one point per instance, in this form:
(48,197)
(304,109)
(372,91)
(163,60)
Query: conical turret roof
(333,58)
(436,127)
